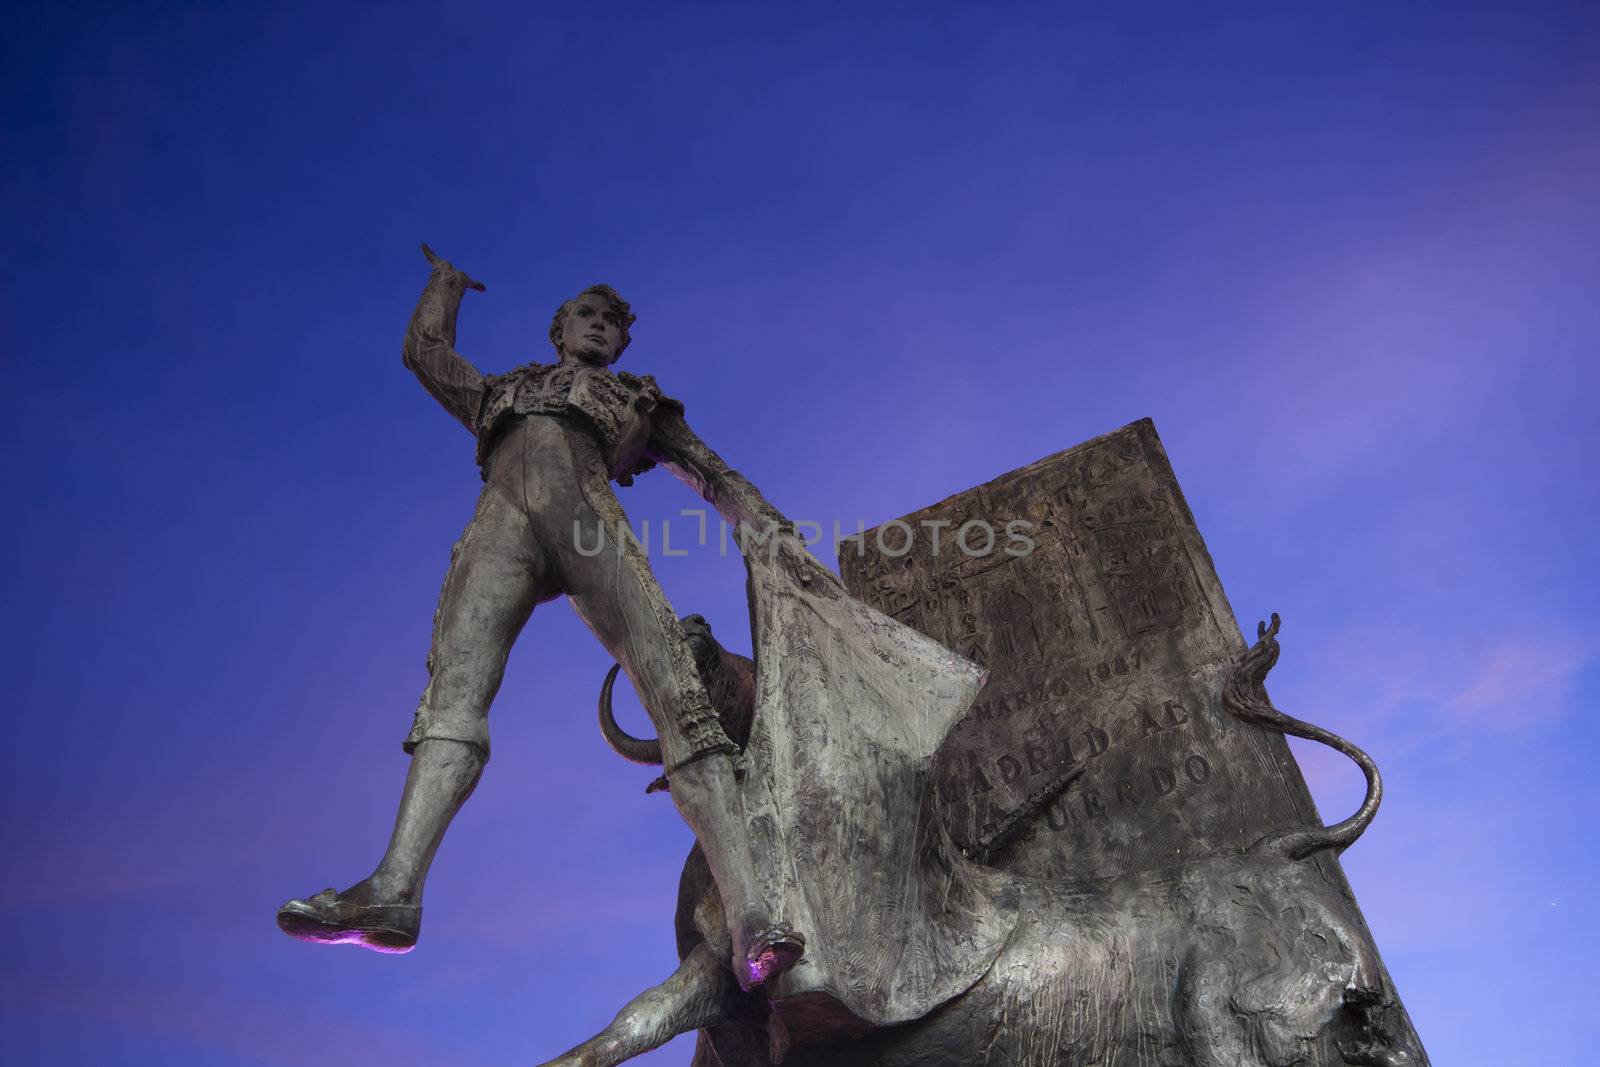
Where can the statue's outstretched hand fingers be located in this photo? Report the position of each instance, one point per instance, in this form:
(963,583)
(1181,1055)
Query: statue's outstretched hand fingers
(445,265)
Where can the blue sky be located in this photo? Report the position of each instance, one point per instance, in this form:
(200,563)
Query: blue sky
(1344,256)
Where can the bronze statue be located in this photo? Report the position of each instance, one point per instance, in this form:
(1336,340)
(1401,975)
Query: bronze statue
(551,439)
(863,893)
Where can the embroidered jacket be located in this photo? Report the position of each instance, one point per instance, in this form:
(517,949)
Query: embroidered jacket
(636,425)
(616,408)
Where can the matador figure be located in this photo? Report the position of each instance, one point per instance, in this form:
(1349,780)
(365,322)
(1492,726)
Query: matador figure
(551,439)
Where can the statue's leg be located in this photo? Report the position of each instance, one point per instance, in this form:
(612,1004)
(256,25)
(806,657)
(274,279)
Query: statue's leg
(700,993)
(615,593)
(495,578)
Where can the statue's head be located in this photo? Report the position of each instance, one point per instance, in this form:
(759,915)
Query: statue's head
(592,327)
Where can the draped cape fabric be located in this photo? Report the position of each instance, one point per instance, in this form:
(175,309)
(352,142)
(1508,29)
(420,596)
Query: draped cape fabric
(850,708)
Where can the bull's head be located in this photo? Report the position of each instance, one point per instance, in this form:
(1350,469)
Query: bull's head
(729,680)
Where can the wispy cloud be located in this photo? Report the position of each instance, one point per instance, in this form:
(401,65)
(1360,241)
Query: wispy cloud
(1520,684)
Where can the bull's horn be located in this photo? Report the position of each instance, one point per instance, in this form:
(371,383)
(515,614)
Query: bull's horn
(632,749)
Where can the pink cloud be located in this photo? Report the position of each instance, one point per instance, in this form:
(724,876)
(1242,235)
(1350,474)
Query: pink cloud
(1520,683)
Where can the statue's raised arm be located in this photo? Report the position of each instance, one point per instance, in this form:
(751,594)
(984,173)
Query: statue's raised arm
(429,349)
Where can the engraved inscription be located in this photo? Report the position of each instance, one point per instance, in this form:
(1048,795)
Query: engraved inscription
(1105,642)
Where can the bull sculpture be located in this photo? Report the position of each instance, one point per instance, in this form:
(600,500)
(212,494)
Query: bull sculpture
(1252,959)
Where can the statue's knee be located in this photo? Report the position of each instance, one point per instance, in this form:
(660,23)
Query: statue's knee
(443,720)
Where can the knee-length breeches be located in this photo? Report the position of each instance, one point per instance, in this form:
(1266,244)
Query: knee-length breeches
(548,523)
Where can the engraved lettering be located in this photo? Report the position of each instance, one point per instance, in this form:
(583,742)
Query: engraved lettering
(1112,567)
(1198,770)
(1036,758)
(1092,805)
(1148,724)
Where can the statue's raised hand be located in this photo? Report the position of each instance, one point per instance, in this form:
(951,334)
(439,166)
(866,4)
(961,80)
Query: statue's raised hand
(445,266)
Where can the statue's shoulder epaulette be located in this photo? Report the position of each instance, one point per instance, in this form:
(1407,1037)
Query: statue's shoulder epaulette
(646,385)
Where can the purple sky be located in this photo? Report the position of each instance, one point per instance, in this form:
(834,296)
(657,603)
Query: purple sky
(1346,258)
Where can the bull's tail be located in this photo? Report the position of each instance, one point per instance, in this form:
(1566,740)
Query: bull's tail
(1245,694)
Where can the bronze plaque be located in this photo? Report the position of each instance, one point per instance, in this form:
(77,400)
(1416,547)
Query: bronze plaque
(1082,584)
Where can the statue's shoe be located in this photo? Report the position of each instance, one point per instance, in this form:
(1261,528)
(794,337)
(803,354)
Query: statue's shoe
(771,952)
(329,919)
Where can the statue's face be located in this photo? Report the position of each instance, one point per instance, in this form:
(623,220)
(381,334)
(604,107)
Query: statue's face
(592,332)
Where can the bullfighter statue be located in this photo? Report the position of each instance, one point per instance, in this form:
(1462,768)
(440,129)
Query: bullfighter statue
(835,913)
(551,440)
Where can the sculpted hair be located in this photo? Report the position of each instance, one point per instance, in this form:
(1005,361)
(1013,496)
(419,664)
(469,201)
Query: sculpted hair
(614,298)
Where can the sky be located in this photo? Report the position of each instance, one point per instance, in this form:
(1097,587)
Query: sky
(1345,256)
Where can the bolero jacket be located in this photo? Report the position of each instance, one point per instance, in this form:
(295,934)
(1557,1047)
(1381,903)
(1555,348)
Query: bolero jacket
(636,425)
(620,409)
